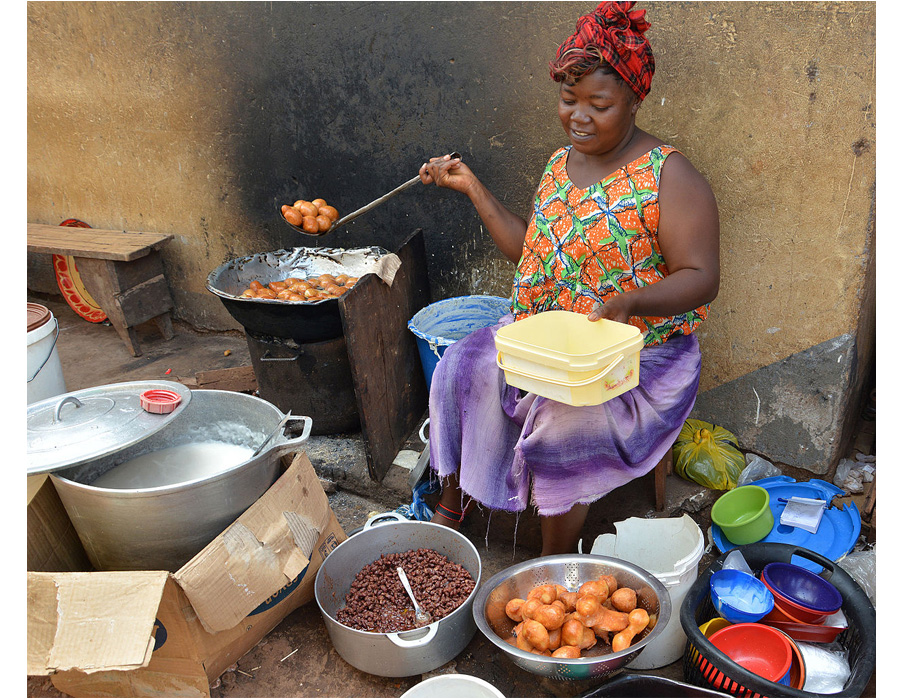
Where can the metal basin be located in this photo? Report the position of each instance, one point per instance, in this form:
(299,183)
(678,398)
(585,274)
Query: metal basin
(164,527)
(569,570)
(396,654)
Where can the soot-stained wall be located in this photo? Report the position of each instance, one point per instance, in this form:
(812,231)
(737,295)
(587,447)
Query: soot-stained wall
(200,119)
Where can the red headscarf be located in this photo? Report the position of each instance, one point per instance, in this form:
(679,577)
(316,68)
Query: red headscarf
(617,33)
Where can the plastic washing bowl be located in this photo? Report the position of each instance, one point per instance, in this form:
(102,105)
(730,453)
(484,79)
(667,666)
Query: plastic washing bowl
(739,596)
(791,612)
(802,587)
(744,514)
(760,649)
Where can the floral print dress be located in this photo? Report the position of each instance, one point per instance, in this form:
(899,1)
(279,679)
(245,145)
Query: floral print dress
(587,245)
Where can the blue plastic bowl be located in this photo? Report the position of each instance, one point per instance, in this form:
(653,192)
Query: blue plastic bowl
(803,588)
(740,597)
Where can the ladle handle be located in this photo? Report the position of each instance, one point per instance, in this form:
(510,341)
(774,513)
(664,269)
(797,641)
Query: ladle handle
(381,200)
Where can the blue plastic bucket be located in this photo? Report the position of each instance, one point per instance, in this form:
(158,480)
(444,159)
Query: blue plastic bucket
(442,323)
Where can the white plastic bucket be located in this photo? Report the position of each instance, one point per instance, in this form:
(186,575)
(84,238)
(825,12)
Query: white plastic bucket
(670,549)
(45,377)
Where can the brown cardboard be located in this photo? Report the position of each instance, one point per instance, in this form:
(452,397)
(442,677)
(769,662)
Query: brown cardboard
(53,544)
(263,551)
(176,632)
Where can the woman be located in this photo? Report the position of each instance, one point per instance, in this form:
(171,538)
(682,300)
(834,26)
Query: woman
(623,228)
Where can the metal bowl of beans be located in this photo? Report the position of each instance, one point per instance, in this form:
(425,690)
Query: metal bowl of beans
(444,570)
(571,571)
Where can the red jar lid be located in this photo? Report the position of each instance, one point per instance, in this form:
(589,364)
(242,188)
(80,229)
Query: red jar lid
(38,315)
(160,400)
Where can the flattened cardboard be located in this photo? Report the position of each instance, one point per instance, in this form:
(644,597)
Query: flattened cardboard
(99,620)
(264,550)
(177,667)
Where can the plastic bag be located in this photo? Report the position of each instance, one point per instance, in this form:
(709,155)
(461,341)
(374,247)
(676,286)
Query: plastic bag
(827,668)
(861,566)
(708,455)
(757,468)
(849,476)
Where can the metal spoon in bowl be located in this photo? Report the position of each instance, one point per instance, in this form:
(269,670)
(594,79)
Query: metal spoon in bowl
(423,617)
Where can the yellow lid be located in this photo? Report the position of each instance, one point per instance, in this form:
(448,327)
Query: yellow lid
(568,340)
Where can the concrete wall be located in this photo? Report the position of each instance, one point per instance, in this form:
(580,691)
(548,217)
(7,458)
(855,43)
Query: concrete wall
(201,119)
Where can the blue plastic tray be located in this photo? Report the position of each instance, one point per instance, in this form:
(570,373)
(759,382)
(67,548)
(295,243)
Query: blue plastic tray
(837,532)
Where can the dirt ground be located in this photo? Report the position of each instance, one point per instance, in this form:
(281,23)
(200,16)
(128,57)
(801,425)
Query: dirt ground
(296,659)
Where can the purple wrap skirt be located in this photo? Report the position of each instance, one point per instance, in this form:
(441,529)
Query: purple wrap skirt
(511,448)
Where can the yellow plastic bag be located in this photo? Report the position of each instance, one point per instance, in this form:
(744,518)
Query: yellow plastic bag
(708,455)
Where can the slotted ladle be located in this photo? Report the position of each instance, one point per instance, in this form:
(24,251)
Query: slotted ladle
(362,210)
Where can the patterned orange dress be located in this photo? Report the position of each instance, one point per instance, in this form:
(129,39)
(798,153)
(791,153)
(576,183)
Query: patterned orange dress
(585,246)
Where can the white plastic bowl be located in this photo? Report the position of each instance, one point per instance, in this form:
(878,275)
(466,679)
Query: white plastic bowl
(453,685)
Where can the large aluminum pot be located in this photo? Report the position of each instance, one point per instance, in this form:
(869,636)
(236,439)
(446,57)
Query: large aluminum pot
(396,654)
(164,527)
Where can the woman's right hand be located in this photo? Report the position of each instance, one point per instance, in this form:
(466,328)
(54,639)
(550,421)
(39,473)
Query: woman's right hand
(448,172)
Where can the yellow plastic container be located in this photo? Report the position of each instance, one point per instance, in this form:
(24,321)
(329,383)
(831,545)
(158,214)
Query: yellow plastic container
(563,356)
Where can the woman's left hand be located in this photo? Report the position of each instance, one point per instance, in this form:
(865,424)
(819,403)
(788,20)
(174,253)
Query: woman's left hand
(617,308)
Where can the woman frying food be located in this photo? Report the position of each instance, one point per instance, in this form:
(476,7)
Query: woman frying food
(623,228)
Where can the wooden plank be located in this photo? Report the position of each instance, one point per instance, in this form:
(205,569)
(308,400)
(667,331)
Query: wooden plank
(123,246)
(229,379)
(384,359)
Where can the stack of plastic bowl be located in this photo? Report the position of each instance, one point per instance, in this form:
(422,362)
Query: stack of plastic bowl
(739,596)
(760,649)
(744,514)
(803,601)
(563,356)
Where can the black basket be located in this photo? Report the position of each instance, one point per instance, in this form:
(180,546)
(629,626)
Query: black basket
(858,639)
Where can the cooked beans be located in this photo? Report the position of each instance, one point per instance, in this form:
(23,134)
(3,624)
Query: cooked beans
(377,601)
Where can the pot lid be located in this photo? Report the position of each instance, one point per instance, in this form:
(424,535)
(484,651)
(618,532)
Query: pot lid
(67,430)
(837,532)
(38,315)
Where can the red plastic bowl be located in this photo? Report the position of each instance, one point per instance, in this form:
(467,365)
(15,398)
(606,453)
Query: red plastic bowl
(801,632)
(760,649)
(795,612)
(798,664)
(802,587)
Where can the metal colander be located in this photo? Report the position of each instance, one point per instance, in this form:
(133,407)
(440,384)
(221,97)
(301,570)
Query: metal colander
(569,570)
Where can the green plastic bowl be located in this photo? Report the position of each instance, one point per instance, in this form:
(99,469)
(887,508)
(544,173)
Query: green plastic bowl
(744,514)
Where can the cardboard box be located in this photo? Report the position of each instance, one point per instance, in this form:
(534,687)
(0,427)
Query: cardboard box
(170,634)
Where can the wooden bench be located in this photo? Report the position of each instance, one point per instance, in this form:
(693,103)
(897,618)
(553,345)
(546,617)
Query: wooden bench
(121,270)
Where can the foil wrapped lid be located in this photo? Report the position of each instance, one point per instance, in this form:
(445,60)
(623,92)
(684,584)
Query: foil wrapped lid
(78,427)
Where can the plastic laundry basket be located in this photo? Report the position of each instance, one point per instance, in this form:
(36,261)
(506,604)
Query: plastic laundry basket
(704,664)
(670,549)
(442,323)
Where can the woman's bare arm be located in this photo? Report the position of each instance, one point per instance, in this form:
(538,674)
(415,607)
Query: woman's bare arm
(507,229)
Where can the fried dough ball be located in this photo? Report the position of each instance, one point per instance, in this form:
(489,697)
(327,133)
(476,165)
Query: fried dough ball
(536,635)
(514,609)
(546,593)
(550,616)
(530,608)
(567,652)
(624,600)
(600,589)
(568,599)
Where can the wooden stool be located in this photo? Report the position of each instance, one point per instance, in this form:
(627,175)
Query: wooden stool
(660,472)
(121,270)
